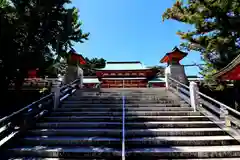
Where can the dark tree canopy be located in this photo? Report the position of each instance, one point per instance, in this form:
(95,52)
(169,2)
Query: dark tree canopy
(33,33)
(92,64)
(159,70)
(216,33)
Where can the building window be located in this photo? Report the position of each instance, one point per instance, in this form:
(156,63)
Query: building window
(134,74)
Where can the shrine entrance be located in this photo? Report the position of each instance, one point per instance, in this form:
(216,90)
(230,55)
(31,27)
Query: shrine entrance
(125,75)
(123,83)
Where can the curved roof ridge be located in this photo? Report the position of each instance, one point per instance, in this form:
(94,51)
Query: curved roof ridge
(227,68)
(130,65)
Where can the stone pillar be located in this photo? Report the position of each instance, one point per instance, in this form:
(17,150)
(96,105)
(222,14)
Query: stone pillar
(194,99)
(166,79)
(73,72)
(176,71)
(56,91)
(80,75)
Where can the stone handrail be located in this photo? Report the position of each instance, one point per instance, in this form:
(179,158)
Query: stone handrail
(205,104)
(18,121)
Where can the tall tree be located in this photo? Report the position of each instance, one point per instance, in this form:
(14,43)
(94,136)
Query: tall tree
(35,31)
(216,34)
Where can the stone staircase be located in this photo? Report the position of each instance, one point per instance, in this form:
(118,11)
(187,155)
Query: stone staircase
(157,125)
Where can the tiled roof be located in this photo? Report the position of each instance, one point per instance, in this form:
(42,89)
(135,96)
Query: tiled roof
(228,68)
(124,66)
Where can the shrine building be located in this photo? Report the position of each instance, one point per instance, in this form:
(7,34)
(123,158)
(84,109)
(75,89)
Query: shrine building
(174,69)
(230,72)
(132,74)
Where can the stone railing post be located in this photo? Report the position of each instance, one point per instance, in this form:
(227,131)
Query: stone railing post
(167,81)
(56,91)
(194,97)
(224,116)
(80,76)
(178,89)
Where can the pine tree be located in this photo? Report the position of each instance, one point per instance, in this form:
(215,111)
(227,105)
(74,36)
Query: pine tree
(216,33)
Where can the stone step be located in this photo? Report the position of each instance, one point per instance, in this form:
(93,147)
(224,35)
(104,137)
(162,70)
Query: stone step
(128,125)
(171,124)
(116,101)
(206,159)
(107,95)
(66,152)
(180,141)
(72,141)
(163,113)
(185,152)
(84,119)
(133,133)
(35,158)
(165,118)
(129,113)
(131,142)
(76,132)
(120,105)
(66,109)
(103,94)
(129,133)
(126,98)
(116,92)
(92,113)
(130,99)
(79,125)
(95,109)
(127,119)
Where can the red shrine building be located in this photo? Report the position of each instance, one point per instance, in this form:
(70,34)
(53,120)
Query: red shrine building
(125,75)
(173,57)
(128,74)
(132,74)
(230,72)
(73,57)
(174,68)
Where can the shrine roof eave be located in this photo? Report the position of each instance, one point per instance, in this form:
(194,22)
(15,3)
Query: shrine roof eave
(79,55)
(123,66)
(234,63)
(165,58)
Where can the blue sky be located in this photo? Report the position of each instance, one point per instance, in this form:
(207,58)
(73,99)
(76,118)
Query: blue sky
(130,30)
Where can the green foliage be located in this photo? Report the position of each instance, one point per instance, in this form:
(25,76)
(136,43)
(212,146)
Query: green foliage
(57,68)
(33,33)
(92,64)
(3,3)
(159,70)
(215,34)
